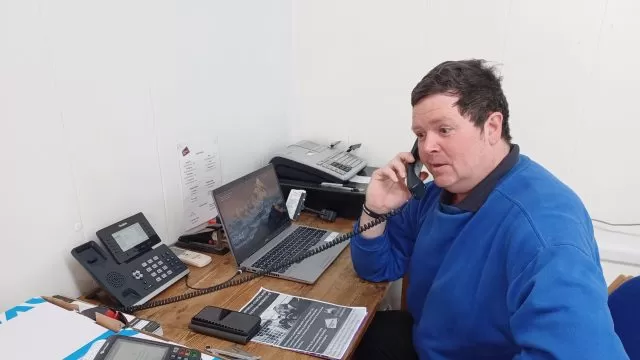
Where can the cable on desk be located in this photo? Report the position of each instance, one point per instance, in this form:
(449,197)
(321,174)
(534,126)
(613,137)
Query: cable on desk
(186,280)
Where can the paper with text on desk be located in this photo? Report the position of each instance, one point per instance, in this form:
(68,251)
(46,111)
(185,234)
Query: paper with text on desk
(200,173)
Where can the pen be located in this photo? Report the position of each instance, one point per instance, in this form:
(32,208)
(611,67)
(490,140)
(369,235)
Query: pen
(231,355)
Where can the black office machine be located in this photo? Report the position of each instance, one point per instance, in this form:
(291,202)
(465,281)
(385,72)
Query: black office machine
(226,324)
(325,173)
(136,271)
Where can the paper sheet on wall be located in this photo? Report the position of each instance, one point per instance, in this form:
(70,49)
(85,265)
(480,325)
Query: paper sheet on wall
(200,173)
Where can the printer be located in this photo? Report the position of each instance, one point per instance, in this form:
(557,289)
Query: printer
(333,179)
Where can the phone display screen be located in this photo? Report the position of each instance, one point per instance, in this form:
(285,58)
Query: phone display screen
(124,349)
(130,237)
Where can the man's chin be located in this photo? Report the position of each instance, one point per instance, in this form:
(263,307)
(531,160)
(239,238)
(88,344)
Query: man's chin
(443,181)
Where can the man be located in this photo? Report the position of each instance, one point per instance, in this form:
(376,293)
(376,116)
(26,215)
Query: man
(500,255)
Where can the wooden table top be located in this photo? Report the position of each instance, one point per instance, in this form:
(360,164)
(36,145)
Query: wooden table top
(339,284)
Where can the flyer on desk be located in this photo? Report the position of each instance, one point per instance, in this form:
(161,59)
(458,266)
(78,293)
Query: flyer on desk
(304,325)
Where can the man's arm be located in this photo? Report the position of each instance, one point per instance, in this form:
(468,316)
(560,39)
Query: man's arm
(384,257)
(558,307)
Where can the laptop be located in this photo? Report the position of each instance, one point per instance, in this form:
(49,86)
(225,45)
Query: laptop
(260,232)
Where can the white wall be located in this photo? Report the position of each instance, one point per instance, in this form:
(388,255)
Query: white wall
(94,98)
(570,76)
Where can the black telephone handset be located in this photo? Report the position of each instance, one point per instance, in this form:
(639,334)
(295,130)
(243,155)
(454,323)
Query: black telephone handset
(414,183)
(416,187)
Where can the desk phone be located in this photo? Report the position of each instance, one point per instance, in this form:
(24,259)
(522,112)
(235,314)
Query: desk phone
(136,271)
(311,162)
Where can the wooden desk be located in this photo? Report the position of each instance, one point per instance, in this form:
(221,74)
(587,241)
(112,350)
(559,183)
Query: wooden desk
(339,284)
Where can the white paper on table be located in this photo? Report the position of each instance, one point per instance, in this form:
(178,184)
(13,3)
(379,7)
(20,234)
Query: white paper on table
(200,173)
(49,330)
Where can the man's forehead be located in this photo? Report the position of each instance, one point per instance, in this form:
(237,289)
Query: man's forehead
(436,108)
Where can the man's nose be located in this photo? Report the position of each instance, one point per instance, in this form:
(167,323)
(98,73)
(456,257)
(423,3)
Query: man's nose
(430,143)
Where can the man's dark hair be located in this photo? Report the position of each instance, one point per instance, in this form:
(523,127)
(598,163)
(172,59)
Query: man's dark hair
(474,83)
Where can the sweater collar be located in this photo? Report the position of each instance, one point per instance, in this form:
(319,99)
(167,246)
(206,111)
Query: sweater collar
(479,194)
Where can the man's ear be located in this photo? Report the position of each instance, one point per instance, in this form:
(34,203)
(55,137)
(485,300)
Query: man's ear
(493,128)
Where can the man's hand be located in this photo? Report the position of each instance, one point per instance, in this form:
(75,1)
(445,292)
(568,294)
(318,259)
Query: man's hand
(387,189)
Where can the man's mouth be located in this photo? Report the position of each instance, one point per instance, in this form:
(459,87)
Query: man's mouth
(436,166)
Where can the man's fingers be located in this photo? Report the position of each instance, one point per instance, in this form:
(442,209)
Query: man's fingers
(387,172)
(399,167)
(406,157)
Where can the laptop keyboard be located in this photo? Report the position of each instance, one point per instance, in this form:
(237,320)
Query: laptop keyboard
(299,241)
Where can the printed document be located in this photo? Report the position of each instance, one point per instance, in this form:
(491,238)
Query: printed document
(304,325)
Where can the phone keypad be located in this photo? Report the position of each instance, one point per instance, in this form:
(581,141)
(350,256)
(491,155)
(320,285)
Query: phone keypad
(159,268)
(181,353)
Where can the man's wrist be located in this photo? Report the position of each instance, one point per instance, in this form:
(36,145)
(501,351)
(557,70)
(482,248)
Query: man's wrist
(372,213)
(375,209)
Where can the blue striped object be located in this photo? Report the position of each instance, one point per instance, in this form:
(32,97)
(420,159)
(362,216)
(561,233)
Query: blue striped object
(22,308)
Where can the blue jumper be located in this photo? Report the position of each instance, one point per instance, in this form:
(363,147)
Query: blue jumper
(518,278)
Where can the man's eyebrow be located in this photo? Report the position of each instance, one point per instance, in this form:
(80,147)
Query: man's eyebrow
(436,121)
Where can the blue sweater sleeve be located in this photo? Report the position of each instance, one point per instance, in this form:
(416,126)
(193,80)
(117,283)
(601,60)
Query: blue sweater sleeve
(385,258)
(558,307)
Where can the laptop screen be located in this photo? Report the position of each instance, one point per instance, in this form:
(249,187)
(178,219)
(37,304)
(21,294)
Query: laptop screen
(252,210)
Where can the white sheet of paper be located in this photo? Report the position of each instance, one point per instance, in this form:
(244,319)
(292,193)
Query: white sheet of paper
(360,179)
(48,330)
(200,173)
(293,200)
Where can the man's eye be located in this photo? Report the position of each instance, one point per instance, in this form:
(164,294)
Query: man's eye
(420,136)
(445,130)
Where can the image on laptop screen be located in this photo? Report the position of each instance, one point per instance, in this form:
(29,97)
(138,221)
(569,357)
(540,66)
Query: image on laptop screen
(253,210)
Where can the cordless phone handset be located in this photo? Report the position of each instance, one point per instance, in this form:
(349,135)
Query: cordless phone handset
(414,183)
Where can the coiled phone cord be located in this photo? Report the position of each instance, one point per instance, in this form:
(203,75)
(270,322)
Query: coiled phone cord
(250,276)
